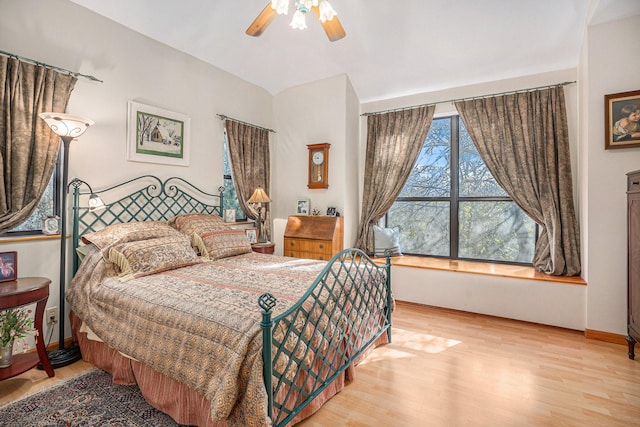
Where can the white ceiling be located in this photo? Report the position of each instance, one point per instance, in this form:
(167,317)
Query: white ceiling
(392,48)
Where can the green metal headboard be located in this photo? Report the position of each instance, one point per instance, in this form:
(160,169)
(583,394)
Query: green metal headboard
(145,198)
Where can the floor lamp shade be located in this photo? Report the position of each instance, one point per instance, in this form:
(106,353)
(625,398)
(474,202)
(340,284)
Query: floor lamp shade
(68,127)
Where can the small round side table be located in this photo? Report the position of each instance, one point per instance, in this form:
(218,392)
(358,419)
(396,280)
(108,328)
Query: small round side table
(263,248)
(23,291)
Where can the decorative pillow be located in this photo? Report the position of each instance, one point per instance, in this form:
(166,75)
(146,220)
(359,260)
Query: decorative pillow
(145,257)
(386,239)
(223,243)
(196,226)
(83,250)
(128,232)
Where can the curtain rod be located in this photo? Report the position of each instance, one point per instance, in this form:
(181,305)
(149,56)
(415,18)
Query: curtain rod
(52,67)
(469,98)
(223,117)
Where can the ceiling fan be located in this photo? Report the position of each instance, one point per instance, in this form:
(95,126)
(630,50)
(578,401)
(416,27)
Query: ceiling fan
(323,10)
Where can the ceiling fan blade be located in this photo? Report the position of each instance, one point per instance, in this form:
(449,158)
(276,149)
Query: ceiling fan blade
(333,28)
(263,20)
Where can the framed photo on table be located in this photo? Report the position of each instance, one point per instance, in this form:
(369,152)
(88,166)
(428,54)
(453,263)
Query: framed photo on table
(8,266)
(302,207)
(622,120)
(252,235)
(229,215)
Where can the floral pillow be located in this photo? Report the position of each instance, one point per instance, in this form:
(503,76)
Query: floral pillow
(144,257)
(224,243)
(210,236)
(128,232)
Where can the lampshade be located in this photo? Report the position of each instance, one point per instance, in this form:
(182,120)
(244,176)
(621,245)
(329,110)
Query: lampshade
(95,203)
(259,196)
(66,125)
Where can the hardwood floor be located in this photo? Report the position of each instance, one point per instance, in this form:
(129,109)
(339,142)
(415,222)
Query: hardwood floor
(450,368)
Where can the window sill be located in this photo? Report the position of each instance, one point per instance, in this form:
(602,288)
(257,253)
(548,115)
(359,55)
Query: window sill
(29,238)
(474,267)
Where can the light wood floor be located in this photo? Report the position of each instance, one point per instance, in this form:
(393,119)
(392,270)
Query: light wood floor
(449,368)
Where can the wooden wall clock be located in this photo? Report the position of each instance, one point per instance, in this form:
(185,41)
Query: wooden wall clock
(318,165)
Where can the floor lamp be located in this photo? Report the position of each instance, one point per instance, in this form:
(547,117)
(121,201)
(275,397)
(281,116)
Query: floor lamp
(67,127)
(259,197)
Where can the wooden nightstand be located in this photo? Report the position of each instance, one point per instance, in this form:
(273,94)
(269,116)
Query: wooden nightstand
(17,293)
(263,248)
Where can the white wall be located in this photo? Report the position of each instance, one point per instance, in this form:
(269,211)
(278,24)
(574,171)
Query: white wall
(322,111)
(609,68)
(133,67)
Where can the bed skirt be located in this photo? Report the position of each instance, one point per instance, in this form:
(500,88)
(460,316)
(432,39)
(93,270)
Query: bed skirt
(181,403)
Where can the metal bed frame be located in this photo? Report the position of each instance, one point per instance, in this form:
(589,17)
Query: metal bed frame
(319,343)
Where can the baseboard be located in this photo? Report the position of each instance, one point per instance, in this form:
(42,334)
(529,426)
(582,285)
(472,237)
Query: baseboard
(605,336)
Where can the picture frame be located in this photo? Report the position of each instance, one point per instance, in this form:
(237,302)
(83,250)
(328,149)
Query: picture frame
(51,225)
(331,211)
(252,234)
(622,120)
(156,135)
(8,266)
(229,215)
(303,207)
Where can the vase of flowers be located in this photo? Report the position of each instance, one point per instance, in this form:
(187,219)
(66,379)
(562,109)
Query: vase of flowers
(15,324)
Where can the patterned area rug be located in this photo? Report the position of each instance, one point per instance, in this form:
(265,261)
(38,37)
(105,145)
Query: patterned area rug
(90,399)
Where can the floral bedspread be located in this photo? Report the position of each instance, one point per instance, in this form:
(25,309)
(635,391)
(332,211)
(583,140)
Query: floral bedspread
(199,325)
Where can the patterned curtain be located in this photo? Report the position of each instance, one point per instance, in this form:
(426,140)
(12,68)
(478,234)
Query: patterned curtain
(394,141)
(250,165)
(523,139)
(28,148)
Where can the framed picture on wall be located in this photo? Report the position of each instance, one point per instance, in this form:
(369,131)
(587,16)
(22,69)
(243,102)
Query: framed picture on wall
(155,135)
(622,120)
(8,266)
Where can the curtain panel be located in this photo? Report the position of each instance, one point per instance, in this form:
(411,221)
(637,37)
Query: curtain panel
(523,139)
(250,163)
(28,148)
(394,141)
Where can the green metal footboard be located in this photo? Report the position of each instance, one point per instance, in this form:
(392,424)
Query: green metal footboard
(307,347)
(151,200)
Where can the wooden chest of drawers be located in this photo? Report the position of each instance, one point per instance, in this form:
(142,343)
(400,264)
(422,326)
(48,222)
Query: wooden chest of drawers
(313,237)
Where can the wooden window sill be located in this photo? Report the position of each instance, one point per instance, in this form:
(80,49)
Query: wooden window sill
(29,238)
(474,267)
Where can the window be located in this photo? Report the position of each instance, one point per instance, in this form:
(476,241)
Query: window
(47,206)
(451,206)
(230,197)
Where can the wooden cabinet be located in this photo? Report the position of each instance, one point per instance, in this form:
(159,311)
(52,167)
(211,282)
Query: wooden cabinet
(633,264)
(313,237)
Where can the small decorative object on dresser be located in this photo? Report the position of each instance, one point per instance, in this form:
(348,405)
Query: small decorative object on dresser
(302,207)
(331,211)
(8,266)
(633,263)
(229,215)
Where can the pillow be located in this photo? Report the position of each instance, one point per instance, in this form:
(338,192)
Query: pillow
(210,236)
(128,232)
(144,257)
(223,243)
(83,250)
(386,238)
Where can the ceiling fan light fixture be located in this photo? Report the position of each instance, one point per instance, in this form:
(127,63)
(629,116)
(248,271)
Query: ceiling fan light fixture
(281,6)
(298,21)
(327,12)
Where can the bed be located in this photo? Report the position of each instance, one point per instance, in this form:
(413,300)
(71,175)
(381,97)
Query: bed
(167,296)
